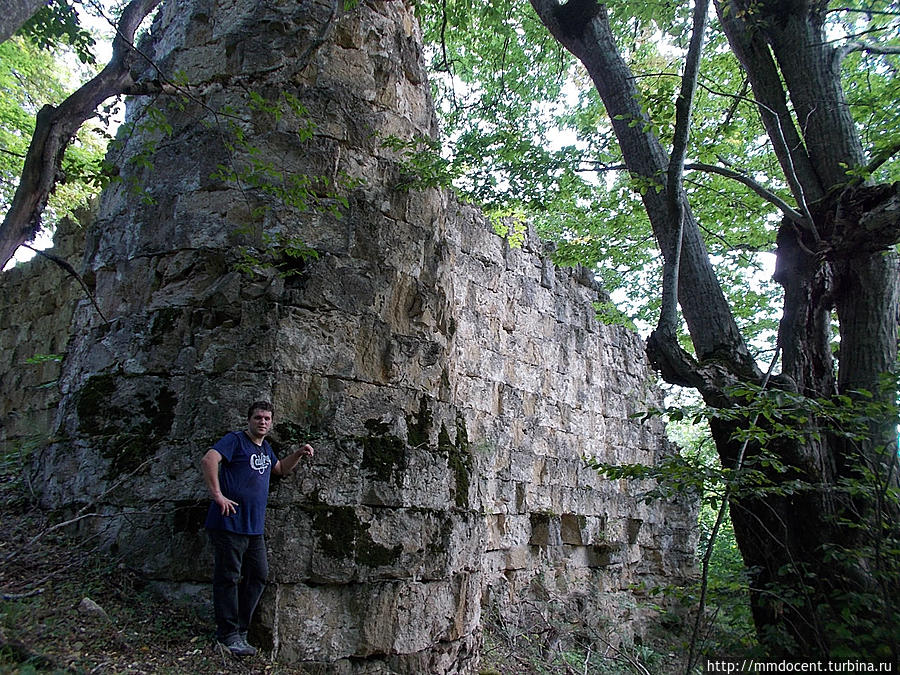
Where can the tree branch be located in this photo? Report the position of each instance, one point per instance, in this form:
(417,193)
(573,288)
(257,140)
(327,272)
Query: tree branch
(11,153)
(71,271)
(705,309)
(883,156)
(870,47)
(753,52)
(763,192)
(860,10)
(596,166)
(324,32)
(15,13)
(668,316)
(867,218)
(55,128)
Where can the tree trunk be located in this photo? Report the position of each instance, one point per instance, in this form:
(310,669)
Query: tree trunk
(833,261)
(812,532)
(55,127)
(710,322)
(14,13)
(811,548)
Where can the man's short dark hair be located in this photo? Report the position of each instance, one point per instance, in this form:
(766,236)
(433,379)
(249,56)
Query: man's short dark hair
(260,405)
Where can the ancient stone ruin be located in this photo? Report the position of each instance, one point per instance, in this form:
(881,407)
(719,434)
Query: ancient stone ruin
(452,383)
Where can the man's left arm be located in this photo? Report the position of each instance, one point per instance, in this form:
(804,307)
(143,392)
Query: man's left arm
(285,465)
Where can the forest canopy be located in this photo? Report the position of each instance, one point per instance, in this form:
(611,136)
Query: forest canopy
(528,137)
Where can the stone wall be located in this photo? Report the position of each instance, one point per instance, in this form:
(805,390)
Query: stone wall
(544,385)
(36,307)
(451,384)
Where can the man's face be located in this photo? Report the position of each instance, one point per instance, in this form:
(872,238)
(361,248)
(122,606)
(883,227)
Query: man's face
(260,423)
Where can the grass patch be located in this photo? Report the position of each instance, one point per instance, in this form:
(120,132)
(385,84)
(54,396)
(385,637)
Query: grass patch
(554,636)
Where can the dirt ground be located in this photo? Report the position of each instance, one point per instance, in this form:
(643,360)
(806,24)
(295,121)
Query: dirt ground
(68,608)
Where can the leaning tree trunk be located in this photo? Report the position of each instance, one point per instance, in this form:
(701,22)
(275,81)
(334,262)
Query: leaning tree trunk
(806,536)
(15,13)
(838,259)
(55,127)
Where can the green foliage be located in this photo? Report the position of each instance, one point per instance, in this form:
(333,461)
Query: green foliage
(275,192)
(729,623)
(55,23)
(31,77)
(859,622)
(278,251)
(509,224)
(869,78)
(609,314)
(527,133)
(152,125)
(43,358)
(497,78)
(421,164)
(266,184)
(776,415)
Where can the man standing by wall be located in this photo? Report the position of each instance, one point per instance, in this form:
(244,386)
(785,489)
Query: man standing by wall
(237,471)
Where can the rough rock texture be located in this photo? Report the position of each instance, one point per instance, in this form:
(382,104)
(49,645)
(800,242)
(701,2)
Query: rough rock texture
(451,384)
(37,301)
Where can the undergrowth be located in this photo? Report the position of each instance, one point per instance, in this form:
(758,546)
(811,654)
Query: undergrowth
(67,607)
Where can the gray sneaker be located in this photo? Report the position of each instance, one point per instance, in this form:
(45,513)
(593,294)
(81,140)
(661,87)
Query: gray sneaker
(238,646)
(243,637)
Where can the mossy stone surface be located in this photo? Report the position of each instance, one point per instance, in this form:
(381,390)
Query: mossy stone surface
(384,453)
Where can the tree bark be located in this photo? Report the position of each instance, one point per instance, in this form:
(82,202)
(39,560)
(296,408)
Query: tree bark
(802,536)
(55,128)
(754,54)
(713,330)
(14,13)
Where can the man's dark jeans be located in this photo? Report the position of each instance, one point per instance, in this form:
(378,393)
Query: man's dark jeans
(239,577)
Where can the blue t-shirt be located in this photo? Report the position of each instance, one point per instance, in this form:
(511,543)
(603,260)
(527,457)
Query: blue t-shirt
(244,478)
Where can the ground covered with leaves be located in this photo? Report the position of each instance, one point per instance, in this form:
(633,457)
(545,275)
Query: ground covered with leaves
(67,607)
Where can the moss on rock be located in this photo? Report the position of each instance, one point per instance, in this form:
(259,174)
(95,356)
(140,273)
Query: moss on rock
(126,437)
(384,453)
(418,426)
(342,535)
(459,460)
